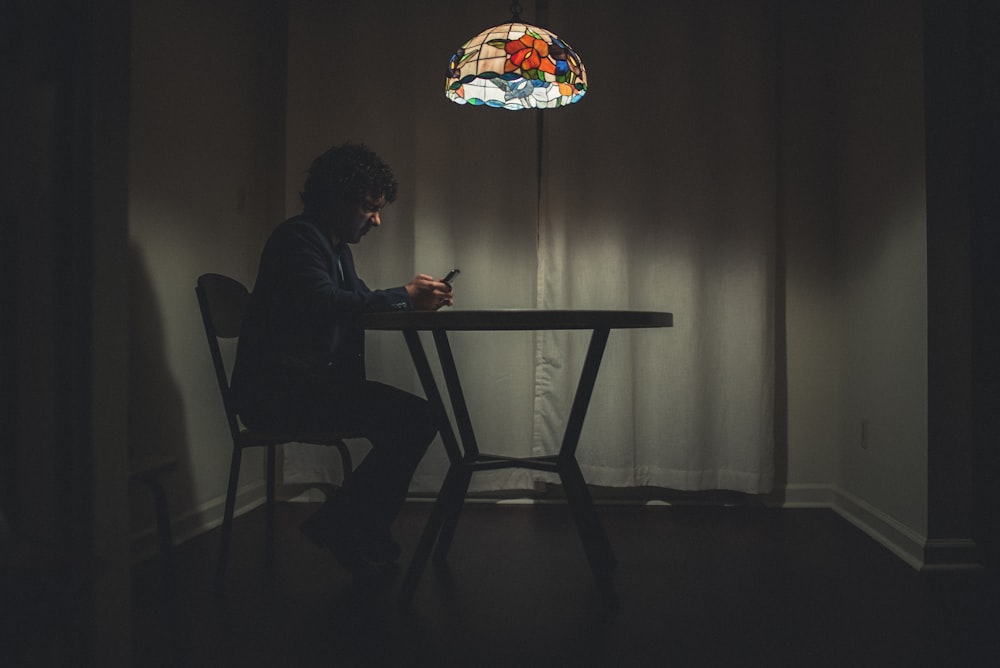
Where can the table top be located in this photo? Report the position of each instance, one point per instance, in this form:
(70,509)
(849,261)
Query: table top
(514,319)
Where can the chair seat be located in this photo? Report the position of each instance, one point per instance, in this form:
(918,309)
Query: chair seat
(252,438)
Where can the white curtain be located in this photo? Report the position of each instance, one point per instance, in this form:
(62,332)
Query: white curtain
(665,200)
(657,192)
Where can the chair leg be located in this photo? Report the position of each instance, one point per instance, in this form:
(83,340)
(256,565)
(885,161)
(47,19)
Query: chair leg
(227,518)
(162,524)
(345,459)
(152,481)
(269,526)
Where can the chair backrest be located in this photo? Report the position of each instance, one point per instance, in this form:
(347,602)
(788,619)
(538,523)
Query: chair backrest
(223,301)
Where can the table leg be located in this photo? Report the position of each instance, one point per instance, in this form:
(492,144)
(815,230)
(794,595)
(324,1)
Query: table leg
(444,516)
(470,449)
(596,545)
(598,548)
(432,393)
(441,525)
(452,509)
(448,504)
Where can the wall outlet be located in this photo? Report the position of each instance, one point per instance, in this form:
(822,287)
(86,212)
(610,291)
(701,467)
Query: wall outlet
(863,433)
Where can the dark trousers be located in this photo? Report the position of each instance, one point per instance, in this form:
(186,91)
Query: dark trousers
(400,427)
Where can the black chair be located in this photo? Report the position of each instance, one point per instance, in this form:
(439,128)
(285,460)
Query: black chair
(148,470)
(223,303)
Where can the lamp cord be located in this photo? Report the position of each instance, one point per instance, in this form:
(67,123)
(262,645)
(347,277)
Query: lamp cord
(539,166)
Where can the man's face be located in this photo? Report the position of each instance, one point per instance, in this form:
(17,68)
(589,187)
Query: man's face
(354,220)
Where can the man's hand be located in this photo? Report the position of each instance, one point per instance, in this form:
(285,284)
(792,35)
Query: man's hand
(428,294)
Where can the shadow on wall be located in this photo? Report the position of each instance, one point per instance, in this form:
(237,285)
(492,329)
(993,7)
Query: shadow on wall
(156,417)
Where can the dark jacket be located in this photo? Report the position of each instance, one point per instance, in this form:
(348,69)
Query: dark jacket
(299,335)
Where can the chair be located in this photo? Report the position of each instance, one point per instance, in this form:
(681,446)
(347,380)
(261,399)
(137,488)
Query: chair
(148,470)
(223,303)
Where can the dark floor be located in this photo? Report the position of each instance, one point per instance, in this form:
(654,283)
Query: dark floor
(698,586)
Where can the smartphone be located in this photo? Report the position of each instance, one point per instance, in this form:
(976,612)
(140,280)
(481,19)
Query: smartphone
(451,276)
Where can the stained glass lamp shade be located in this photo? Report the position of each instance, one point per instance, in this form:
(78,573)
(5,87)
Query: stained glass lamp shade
(516,66)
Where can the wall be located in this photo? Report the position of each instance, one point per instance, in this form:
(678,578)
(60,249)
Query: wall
(207,170)
(960,84)
(855,226)
(882,263)
(807,131)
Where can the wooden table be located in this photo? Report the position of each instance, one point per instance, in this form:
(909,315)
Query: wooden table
(465,457)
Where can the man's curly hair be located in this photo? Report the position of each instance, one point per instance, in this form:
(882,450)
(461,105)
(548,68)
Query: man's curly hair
(347,174)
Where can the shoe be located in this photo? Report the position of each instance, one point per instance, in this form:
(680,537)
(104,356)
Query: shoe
(323,525)
(383,550)
(316,529)
(363,558)
(355,560)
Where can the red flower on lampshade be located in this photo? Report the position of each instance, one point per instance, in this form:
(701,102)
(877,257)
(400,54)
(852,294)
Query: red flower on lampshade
(528,53)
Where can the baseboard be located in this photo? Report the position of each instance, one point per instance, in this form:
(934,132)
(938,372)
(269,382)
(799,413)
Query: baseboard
(203,518)
(918,551)
(951,554)
(802,496)
(889,532)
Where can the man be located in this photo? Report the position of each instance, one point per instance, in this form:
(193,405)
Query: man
(300,360)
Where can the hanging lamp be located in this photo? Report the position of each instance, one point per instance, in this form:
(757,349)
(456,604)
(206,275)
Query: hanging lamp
(515,66)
